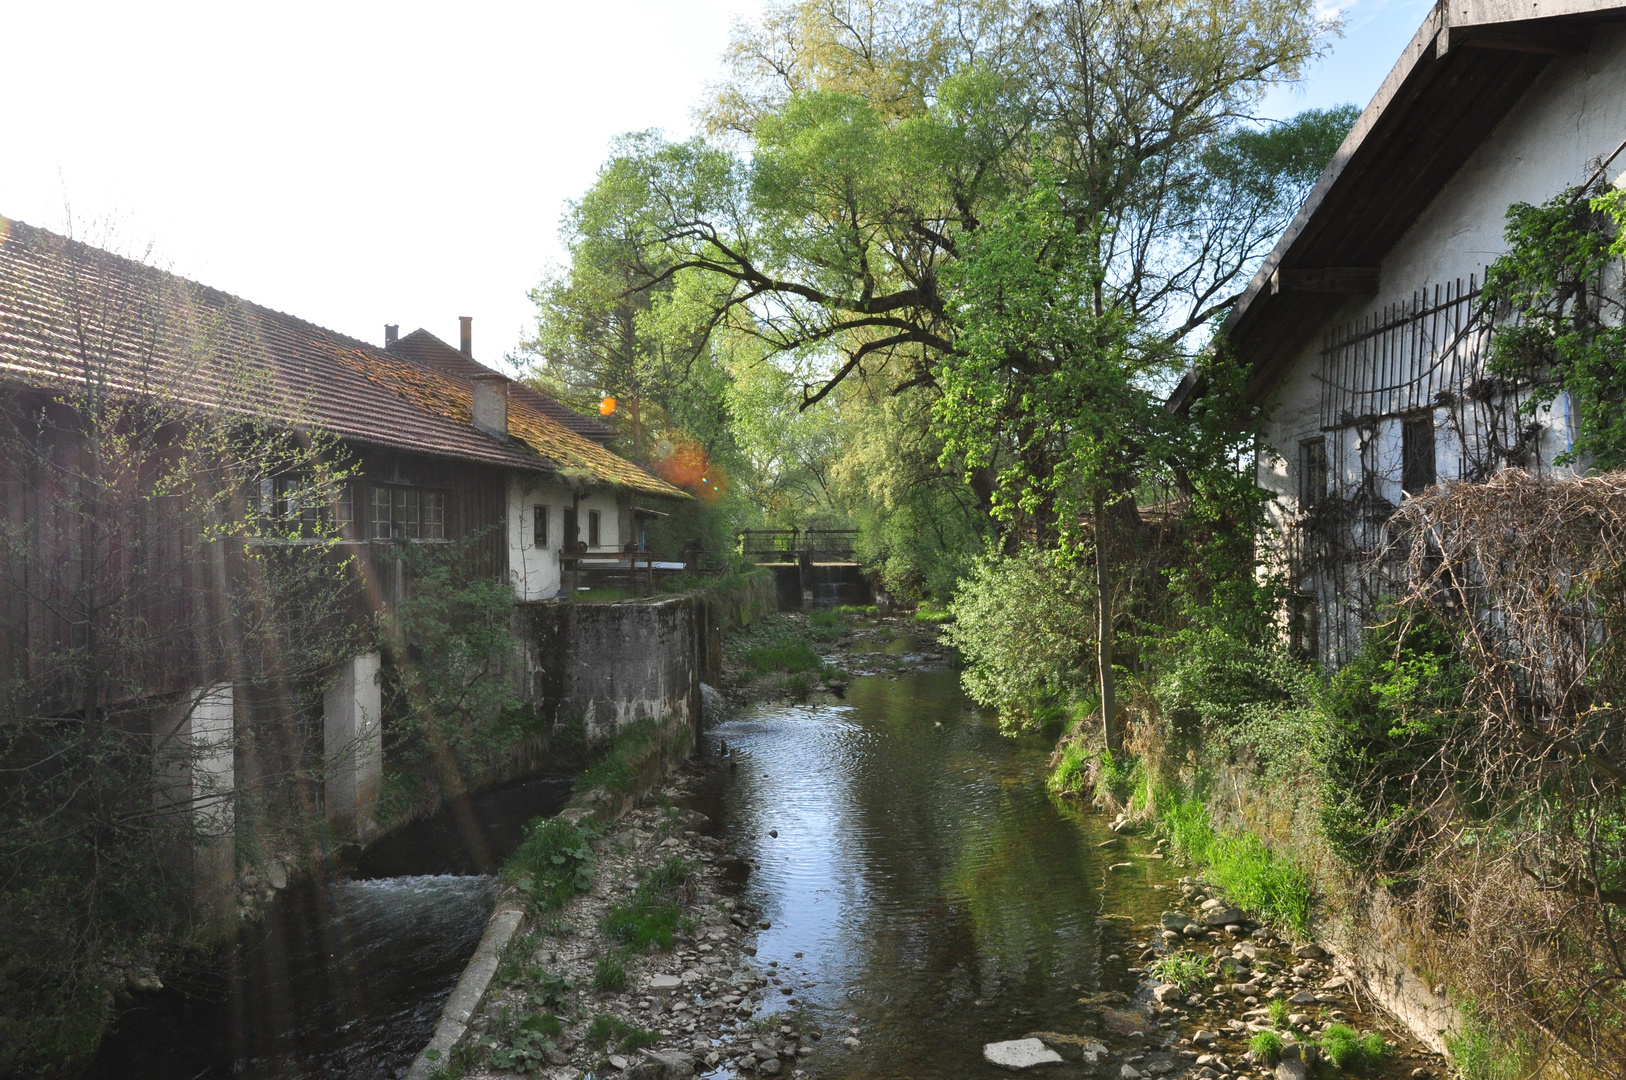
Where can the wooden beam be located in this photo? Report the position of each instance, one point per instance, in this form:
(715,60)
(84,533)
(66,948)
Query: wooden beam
(1548,40)
(1345,280)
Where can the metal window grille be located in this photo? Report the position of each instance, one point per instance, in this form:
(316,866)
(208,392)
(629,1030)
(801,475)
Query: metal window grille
(592,528)
(1312,472)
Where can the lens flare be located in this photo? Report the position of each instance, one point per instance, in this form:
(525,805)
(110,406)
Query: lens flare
(607,406)
(687,466)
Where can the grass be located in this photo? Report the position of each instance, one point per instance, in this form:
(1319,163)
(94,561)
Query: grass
(1478,1054)
(653,913)
(1250,875)
(792,658)
(552,863)
(1071,770)
(1186,970)
(614,770)
(1279,1012)
(610,973)
(1267,1046)
(1348,1049)
(927,612)
(606,1032)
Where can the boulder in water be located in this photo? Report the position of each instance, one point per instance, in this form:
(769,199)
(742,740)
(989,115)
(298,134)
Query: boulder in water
(1018,1054)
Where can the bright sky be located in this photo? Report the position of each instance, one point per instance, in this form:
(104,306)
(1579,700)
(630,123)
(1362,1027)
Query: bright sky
(362,163)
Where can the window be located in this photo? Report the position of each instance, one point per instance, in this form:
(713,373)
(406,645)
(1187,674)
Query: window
(1312,472)
(592,528)
(293,501)
(402,513)
(1304,626)
(539,526)
(1416,454)
(344,510)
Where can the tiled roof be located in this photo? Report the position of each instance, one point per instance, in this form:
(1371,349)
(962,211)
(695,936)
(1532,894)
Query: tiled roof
(427,350)
(154,333)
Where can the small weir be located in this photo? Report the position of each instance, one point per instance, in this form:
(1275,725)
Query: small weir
(346,975)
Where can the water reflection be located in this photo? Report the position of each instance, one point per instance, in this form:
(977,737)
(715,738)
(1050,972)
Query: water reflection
(937,896)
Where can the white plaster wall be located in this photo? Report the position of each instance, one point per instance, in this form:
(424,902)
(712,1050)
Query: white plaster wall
(1574,115)
(534,570)
(609,519)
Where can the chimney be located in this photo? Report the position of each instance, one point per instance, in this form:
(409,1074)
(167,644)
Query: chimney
(465,323)
(491,403)
(392,333)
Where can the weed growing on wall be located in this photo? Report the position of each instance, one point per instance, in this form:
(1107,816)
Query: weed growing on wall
(451,701)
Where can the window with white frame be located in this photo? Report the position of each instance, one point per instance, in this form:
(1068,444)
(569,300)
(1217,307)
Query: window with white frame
(405,513)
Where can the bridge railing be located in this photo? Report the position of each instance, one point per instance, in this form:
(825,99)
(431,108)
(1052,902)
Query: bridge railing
(792,545)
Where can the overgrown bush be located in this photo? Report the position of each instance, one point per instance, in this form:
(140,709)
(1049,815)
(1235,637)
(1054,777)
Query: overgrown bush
(1025,627)
(452,706)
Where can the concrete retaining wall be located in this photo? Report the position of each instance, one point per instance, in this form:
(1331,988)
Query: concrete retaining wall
(608,665)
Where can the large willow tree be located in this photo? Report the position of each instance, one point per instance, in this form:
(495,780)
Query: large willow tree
(888,189)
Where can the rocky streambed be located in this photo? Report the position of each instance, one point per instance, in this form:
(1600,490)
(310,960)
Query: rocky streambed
(1240,979)
(878,885)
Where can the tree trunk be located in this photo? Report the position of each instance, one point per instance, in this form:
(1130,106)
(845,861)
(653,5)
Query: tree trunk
(1103,631)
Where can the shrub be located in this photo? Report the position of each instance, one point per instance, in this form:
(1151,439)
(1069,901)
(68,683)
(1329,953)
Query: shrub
(1026,629)
(552,863)
(1267,1046)
(1348,1049)
(1278,1012)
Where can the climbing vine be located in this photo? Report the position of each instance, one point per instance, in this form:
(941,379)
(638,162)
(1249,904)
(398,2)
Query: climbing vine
(1557,307)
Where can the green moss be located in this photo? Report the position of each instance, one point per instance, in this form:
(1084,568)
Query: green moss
(617,769)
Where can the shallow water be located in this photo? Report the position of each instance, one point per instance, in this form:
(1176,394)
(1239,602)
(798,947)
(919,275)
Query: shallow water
(923,887)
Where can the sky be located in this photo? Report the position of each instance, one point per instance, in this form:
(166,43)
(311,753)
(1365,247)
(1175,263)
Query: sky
(357,164)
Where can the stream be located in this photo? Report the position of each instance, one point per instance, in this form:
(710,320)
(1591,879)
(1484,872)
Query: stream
(923,888)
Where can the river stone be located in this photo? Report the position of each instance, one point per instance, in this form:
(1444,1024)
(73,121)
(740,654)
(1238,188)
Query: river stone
(1173,920)
(1129,1072)
(664,984)
(1303,997)
(1126,1021)
(770,1067)
(1020,1054)
(1222,915)
(1312,951)
(1168,994)
(617,1062)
